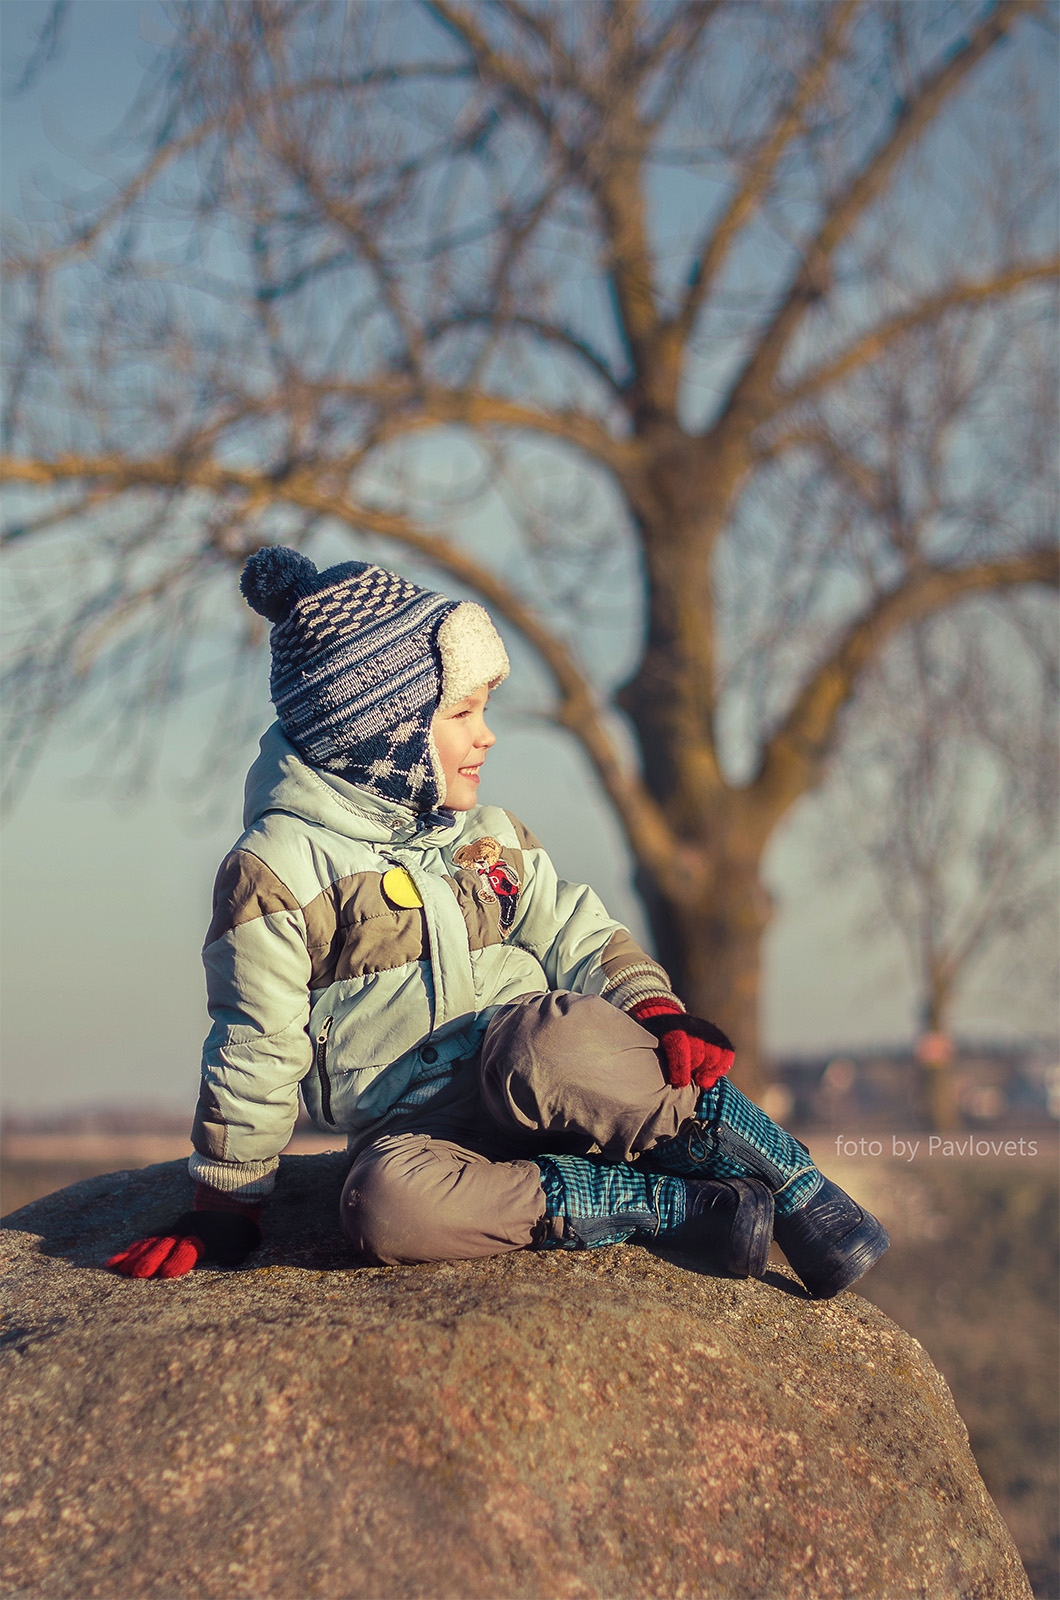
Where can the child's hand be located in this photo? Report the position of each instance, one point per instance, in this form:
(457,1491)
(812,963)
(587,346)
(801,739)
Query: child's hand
(159,1256)
(220,1228)
(695,1050)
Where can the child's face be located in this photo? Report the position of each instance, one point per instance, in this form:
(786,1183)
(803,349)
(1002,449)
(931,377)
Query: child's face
(462,739)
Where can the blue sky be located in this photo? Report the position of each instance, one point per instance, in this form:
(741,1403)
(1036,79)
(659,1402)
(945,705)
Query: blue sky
(104,905)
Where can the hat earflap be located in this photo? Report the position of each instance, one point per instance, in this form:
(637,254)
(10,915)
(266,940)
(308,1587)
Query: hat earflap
(472,654)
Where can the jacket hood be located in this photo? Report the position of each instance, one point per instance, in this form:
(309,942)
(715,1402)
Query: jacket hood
(280,780)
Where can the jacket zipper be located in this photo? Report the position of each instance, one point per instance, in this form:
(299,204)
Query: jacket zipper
(322,1071)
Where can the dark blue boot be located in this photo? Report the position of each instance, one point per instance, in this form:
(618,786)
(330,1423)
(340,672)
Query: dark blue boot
(827,1237)
(830,1241)
(728,1221)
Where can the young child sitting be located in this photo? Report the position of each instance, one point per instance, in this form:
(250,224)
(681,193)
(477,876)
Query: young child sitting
(511,1069)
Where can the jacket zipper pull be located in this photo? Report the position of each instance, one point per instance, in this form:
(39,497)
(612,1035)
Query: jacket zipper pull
(322,1071)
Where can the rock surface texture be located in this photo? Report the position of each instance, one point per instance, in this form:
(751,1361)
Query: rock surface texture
(606,1424)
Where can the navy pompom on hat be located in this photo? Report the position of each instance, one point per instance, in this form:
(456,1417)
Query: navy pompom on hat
(361,660)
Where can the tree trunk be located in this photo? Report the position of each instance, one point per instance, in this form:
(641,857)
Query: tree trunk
(711,946)
(707,908)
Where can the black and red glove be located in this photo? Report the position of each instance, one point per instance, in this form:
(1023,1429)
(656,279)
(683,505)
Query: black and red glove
(694,1051)
(218,1228)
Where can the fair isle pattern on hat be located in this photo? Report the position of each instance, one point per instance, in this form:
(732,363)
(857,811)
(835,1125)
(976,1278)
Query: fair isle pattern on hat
(357,697)
(361,658)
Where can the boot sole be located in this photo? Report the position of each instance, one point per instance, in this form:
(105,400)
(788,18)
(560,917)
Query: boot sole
(755,1257)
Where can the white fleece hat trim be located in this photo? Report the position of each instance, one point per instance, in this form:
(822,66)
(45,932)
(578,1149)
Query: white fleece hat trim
(472,654)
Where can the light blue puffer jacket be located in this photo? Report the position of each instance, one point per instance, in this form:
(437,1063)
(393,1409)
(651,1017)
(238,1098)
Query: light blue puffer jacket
(354,955)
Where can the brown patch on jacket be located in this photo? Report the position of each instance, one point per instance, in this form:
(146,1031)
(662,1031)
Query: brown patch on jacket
(527,840)
(621,952)
(351,928)
(245,889)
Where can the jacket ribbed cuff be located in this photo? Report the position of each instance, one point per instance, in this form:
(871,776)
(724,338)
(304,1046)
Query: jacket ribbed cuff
(645,981)
(244,1180)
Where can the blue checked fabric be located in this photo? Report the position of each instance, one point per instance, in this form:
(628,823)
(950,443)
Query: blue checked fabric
(356,676)
(731,1137)
(606,1203)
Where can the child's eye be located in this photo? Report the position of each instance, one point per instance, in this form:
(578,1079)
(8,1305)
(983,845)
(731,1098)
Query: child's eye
(467,711)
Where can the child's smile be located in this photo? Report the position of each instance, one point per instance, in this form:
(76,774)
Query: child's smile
(462,741)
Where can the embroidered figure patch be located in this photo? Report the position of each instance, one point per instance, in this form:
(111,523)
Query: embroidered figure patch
(499,881)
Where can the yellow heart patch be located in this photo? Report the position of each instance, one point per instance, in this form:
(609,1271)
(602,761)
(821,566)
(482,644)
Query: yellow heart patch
(400,889)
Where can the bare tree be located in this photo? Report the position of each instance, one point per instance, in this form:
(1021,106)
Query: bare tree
(540,293)
(948,793)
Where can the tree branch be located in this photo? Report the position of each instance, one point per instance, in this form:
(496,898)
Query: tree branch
(233,117)
(552,332)
(345,213)
(866,480)
(426,405)
(560,60)
(404,405)
(753,386)
(681,32)
(873,343)
(755,179)
(610,168)
(649,834)
(493,66)
(27,527)
(794,758)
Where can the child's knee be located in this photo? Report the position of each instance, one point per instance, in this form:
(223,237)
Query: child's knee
(378,1199)
(410,1198)
(545,1029)
(572,1068)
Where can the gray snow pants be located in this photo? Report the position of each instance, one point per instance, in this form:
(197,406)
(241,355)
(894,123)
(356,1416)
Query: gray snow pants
(557,1073)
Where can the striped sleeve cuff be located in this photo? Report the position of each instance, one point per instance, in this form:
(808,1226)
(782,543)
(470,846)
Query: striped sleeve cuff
(645,981)
(245,1180)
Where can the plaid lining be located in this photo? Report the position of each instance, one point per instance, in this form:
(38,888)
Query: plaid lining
(424,1089)
(607,1202)
(731,1137)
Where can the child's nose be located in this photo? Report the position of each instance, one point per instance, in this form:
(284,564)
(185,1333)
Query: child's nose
(486,738)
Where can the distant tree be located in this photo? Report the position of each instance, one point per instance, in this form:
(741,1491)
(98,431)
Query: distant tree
(948,794)
(754,300)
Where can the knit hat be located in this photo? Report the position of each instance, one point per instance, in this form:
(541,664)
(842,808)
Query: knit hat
(361,660)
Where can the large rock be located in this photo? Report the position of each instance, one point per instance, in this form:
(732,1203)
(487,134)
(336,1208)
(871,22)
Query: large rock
(612,1424)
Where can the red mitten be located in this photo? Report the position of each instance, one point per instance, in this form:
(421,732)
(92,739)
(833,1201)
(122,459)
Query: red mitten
(219,1227)
(695,1051)
(159,1256)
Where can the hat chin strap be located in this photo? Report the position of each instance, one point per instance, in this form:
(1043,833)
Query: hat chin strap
(436,768)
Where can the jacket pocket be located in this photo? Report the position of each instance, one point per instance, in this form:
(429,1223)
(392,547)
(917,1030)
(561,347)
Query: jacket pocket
(324,1082)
